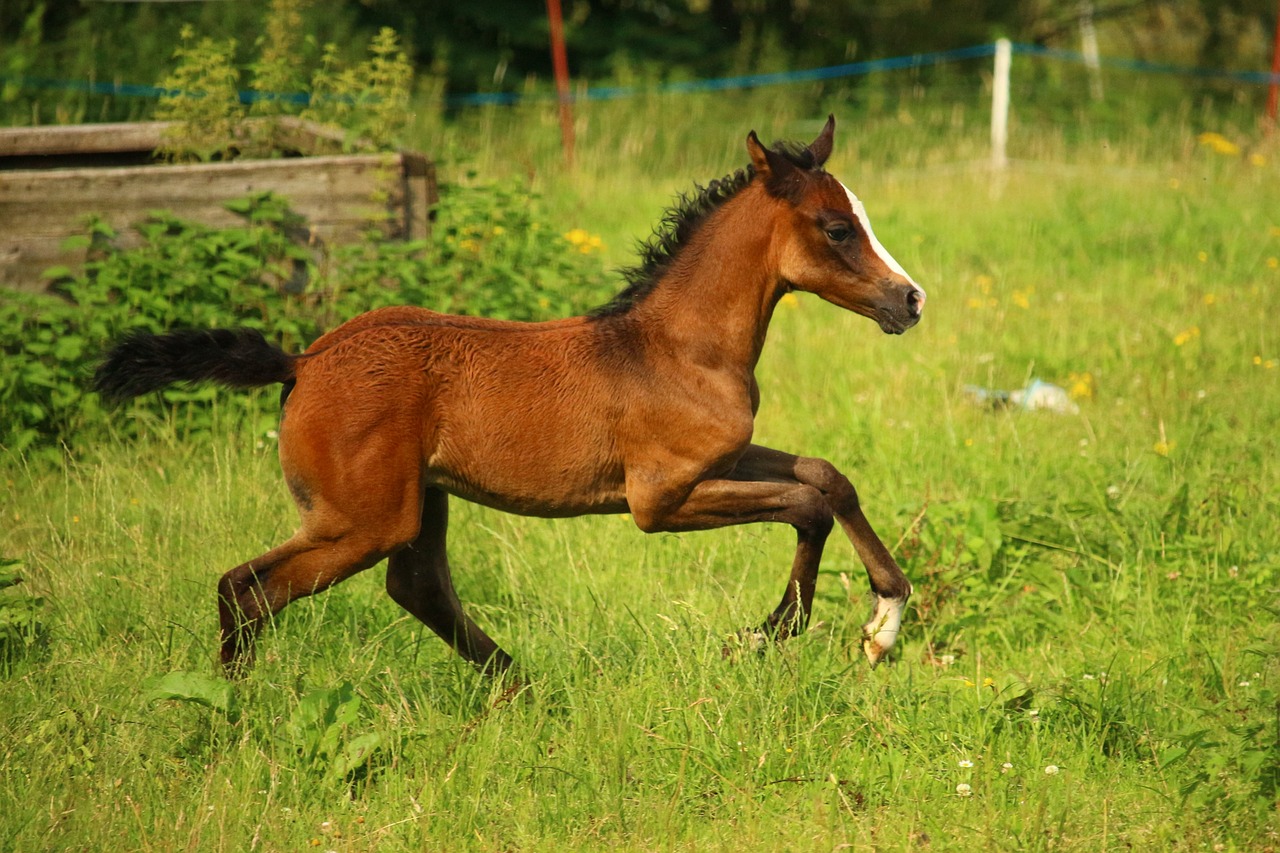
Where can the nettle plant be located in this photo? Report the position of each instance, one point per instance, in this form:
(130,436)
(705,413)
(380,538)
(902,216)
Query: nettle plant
(368,101)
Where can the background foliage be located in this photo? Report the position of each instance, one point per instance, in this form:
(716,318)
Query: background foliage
(501,45)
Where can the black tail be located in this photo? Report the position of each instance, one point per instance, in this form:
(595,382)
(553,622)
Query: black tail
(143,362)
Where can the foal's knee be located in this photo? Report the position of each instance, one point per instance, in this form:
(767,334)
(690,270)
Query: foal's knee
(835,487)
(812,514)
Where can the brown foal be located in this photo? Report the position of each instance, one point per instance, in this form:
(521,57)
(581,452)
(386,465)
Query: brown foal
(645,406)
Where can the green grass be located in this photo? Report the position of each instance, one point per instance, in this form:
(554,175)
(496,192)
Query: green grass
(1094,592)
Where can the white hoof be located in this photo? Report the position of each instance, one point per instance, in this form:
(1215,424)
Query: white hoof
(879,634)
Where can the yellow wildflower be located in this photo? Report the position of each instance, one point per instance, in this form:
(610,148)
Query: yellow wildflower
(1080,386)
(1163,447)
(1186,336)
(1219,143)
(583,241)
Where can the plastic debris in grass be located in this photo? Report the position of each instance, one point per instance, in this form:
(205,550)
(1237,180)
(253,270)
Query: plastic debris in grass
(1038,395)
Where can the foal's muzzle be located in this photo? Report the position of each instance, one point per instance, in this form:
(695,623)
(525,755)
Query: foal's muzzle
(902,311)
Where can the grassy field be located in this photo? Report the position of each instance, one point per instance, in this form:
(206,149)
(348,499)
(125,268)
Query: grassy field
(1091,659)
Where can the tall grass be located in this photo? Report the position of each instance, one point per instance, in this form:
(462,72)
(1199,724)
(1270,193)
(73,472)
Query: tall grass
(1091,656)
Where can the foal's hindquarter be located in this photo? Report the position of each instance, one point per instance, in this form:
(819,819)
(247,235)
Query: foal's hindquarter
(647,411)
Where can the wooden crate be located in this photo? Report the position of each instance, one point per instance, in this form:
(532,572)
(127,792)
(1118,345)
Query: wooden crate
(52,178)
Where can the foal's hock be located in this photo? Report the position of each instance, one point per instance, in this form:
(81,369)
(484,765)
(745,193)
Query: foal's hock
(645,406)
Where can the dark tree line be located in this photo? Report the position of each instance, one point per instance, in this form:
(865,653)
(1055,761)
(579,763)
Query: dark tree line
(497,43)
(487,45)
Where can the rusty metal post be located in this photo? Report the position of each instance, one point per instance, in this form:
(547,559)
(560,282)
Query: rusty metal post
(560,63)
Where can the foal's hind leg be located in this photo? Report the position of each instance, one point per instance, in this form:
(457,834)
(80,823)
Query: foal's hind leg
(345,530)
(419,580)
(250,593)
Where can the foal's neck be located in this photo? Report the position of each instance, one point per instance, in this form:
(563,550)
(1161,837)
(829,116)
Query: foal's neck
(716,299)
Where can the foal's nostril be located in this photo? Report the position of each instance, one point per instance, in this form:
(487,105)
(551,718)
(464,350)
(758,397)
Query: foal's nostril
(915,302)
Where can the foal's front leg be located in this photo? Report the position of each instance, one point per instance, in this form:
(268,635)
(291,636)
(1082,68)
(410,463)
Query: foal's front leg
(769,485)
(743,499)
(888,583)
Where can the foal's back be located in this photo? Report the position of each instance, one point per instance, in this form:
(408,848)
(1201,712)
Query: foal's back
(518,416)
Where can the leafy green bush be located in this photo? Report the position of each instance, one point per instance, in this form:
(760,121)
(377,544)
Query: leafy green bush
(490,254)
(369,100)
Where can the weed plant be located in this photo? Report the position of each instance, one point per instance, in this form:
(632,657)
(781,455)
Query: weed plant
(1090,658)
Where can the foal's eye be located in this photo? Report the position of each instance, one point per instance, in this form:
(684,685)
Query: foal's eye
(839,233)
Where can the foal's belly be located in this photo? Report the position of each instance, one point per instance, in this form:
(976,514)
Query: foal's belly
(531,489)
(529,466)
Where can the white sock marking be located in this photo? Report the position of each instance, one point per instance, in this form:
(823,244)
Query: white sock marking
(885,622)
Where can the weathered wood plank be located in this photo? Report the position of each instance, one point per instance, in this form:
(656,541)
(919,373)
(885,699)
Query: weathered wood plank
(38,200)
(114,137)
(80,139)
(339,196)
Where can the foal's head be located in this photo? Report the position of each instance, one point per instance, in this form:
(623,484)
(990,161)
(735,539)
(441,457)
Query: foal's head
(830,249)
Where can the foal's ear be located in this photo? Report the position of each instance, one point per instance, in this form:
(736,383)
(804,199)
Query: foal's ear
(768,164)
(820,148)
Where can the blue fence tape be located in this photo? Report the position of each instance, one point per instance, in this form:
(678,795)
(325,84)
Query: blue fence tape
(720,84)
(137,90)
(746,81)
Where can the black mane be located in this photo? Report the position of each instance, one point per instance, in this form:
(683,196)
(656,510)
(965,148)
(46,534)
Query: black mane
(678,223)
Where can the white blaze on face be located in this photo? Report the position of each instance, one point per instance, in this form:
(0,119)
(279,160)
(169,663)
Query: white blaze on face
(860,212)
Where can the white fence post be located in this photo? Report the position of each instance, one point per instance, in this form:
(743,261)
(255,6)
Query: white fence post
(1089,49)
(1000,105)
